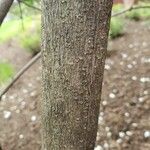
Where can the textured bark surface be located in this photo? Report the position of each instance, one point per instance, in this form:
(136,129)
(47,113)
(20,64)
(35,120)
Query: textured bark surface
(74,46)
(4,8)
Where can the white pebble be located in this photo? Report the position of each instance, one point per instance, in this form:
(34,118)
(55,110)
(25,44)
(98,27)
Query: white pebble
(134,78)
(112,95)
(109,134)
(101,113)
(134,124)
(131,46)
(3,97)
(145,92)
(134,62)
(17,111)
(33,118)
(121,134)
(33,93)
(119,141)
(147,134)
(127,114)
(106,145)
(129,133)
(11,97)
(104,103)
(129,66)
(144,44)
(107,67)
(25,91)
(121,63)
(21,136)
(30,85)
(124,55)
(7,114)
(98,147)
(107,129)
(144,79)
(100,119)
(141,99)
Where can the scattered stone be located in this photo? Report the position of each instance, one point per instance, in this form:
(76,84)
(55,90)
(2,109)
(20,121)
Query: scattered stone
(17,111)
(32,94)
(106,145)
(147,134)
(124,55)
(7,114)
(131,45)
(127,114)
(100,120)
(104,103)
(134,124)
(129,66)
(11,97)
(3,97)
(145,92)
(30,85)
(25,91)
(134,62)
(107,129)
(109,134)
(121,134)
(134,78)
(98,147)
(101,113)
(145,79)
(119,141)
(141,99)
(129,133)
(21,136)
(107,67)
(33,118)
(112,95)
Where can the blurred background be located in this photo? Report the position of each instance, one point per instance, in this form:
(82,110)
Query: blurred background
(124,121)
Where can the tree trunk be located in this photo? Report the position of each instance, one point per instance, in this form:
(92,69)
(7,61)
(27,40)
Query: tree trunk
(4,8)
(74,46)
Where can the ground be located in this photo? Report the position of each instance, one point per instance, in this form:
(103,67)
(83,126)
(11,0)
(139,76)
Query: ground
(124,121)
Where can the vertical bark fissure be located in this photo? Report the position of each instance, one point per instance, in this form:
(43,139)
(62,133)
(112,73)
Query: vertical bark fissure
(74,42)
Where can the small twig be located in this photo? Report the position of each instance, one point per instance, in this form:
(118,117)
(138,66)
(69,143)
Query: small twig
(129,9)
(17,76)
(25,3)
(21,14)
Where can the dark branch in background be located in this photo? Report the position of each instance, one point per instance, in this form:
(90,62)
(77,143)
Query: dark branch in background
(129,9)
(34,59)
(27,4)
(17,76)
(4,8)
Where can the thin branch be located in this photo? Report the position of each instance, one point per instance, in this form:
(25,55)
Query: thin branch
(31,6)
(129,9)
(21,14)
(34,59)
(21,72)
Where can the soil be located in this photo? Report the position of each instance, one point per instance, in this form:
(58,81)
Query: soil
(124,120)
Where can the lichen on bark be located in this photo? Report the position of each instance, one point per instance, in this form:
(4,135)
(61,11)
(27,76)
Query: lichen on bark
(74,47)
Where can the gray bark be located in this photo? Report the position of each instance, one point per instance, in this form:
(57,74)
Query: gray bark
(4,8)
(74,47)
